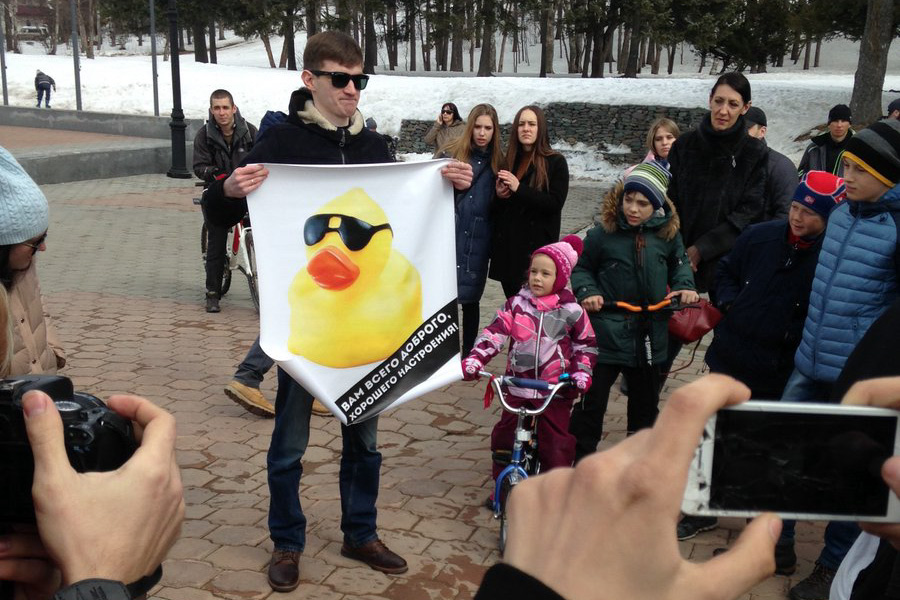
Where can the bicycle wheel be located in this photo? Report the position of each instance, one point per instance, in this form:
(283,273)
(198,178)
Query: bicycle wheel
(252,276)
(226,279)
(226,271)
(505,488)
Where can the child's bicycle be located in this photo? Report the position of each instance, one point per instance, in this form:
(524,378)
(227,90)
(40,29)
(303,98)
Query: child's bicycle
(524,460)
(240,254)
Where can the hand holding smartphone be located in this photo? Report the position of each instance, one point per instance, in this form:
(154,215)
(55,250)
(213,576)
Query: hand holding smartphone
(800,460)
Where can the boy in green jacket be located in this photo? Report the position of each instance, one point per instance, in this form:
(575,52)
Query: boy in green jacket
(634,255)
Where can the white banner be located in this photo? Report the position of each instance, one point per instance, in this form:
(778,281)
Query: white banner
(357,281)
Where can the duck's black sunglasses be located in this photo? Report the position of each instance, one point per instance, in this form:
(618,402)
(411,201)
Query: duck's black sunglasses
(355,233)
(340,80)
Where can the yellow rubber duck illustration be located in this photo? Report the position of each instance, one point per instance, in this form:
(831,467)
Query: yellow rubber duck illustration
(357,299)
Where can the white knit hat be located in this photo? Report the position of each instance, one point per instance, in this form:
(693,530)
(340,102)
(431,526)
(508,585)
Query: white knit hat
(24,213)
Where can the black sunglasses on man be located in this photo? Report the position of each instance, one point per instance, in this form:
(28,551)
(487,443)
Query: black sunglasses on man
(340,80)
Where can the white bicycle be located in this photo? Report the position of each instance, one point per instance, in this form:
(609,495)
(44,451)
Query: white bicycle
(240,255)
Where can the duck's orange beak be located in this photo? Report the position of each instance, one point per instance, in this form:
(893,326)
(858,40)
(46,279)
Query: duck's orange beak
(332,269)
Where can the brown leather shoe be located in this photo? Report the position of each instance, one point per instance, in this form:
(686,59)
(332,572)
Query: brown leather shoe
(284,570)
(378,556)
(320,409)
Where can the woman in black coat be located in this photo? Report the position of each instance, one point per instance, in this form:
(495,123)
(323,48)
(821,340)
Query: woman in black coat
(530,198)
(718,178)
(717,185)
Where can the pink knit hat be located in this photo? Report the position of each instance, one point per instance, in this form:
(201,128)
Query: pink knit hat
(564,255)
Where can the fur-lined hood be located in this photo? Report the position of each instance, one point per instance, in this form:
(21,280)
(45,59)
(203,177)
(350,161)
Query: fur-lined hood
(302,103)
(611,219)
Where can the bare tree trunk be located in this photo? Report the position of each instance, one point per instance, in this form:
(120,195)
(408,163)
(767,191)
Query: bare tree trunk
(268,46)
(671,56)
(458,33)
(200,55)
(288,31)
(88,23)
(221,31)
(212,43)
(371,40)
(502,52)
(818,52)
(312,18)
(865,103)
(586,57)
(485,65)
(597,55)
(282,62)
(546,38)
(625,50)
(411,28)
(806,55)
(55,30)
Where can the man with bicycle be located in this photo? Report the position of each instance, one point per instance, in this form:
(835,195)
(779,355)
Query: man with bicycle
(218,147)
(323,127)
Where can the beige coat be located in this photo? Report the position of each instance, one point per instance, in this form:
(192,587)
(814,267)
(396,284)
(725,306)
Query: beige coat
(36,349)
(440,135)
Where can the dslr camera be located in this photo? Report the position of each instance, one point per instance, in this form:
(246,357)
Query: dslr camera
(97,439)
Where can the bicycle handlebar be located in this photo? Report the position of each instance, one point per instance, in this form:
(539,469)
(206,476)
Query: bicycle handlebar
(529,384)
(673,303)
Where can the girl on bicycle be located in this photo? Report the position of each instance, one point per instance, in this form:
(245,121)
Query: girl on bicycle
(634,255)
(549,334)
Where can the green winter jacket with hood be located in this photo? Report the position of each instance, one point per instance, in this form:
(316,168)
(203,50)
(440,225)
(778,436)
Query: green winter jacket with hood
(635,264)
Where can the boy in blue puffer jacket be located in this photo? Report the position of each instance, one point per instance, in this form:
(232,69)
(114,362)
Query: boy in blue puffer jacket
(857,278)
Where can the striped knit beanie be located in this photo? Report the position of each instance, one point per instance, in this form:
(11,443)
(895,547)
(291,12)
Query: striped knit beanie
(652,180)
(877,150)
(24,213)
(820,191)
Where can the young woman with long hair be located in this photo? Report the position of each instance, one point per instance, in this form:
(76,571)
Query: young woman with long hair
(530,197)
(480,147)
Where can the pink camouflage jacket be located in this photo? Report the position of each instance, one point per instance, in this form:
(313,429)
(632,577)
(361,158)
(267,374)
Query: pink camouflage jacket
(555,324)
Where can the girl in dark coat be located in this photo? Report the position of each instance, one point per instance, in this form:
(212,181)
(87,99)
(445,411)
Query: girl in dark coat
(530,199)
(480,147)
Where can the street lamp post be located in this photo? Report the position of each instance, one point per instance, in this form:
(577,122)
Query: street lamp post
(3,56)
(153,59)
(177,124)
(75,54)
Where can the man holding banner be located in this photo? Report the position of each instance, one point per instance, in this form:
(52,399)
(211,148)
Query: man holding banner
(323,127)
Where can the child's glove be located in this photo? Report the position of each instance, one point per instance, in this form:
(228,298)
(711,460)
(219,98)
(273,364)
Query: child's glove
(582,381)
(470,368)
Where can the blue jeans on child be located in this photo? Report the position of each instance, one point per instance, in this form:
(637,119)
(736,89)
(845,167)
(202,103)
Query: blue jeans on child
(43,88)
(359,471)
(839,535)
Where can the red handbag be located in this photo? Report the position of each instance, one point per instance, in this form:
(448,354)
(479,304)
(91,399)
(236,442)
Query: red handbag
(694,321)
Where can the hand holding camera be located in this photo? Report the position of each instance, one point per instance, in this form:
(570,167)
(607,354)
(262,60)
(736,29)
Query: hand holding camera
(115,525)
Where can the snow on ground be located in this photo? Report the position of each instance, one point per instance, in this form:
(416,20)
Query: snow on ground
(795,101)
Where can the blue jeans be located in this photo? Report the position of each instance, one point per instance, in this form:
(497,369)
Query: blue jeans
(800,388)
(359,472)
(254,367)
(839,535)
(43,88)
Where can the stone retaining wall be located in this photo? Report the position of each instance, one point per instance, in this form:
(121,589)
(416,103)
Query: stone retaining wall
(619,132)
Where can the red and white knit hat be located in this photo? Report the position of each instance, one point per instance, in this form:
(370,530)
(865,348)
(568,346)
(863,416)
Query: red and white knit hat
(564,255)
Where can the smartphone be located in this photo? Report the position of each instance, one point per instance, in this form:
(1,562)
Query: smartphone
(806,461)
